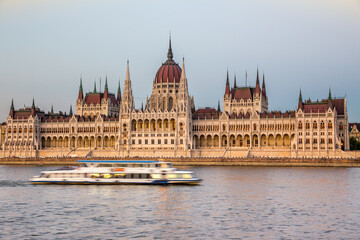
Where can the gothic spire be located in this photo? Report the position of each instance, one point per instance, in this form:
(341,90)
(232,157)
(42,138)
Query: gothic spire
(329,99)
(52,110)
(106,92)
(12,110)
(263,86)
(33,108)
(183,87)
(300,105)
(235,81)
(170,53)
(257,88)
(12,104)
(94,86)
(81,96)
(218,108)
(227,88)
(119,93)
(127,103)
(70,112)
(106,85)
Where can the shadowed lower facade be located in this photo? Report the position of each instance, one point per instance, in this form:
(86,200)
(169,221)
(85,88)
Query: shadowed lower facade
(169,125)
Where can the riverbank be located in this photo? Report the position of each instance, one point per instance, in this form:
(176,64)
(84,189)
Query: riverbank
(266,162)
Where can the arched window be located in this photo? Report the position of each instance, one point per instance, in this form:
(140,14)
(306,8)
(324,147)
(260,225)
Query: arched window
(300,125)
(329,124)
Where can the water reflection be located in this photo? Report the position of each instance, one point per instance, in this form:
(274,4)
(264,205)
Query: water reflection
(232,202)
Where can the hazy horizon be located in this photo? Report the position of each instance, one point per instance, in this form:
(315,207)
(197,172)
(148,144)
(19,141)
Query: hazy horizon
(309,45)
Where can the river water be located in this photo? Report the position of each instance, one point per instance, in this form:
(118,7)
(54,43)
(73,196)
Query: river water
(232,203)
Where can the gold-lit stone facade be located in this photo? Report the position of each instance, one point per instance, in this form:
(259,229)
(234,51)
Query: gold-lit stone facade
(170,126)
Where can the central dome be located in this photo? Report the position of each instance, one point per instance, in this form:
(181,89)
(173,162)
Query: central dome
(170,71)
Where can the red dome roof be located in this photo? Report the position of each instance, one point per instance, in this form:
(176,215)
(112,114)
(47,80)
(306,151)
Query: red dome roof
(168,72)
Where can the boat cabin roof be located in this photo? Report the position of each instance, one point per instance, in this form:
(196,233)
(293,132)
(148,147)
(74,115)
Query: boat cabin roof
(118,161)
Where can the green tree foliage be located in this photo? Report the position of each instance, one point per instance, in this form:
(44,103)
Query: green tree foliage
(354,144)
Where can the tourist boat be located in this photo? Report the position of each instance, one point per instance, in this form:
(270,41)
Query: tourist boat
(117,172)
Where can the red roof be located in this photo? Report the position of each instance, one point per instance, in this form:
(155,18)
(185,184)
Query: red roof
(168,72)
(339,104)
(25,113)
(244,93)
(95,98)
(315,108)
(207,113)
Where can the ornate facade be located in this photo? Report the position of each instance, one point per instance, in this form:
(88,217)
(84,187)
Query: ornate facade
(170,125)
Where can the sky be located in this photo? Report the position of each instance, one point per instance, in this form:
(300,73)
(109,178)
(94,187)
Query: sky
(46,46)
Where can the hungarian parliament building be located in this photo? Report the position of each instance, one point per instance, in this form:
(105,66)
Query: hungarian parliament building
(105,124)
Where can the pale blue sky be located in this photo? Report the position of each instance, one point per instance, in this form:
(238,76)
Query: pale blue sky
(310,44)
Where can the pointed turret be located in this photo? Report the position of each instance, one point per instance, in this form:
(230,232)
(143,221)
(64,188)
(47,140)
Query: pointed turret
(142,106)
(81,92)
(106,91)
(300,105)
(170,53)
(218,108)
(127,103)
(257,88)
(263,87)
(330,99)
(70,112)
(94,86)
(52,110)
(227,88)
(235,86)
(12,109)
(118,93)
(33,108)
(183,96)
(183,79)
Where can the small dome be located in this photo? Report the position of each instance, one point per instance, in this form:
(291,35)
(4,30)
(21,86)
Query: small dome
(169,72)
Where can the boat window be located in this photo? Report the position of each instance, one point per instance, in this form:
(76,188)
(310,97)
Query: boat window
(156,176)
(169,165)
(187,175)
(171,175)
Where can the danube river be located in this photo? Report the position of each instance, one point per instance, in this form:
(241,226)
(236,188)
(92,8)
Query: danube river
(232,203)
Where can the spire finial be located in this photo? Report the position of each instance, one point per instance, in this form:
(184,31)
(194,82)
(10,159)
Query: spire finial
(12,104)
(170,53)
(33,104)
(218,108)
(106,85)
(70,112)
(246,78)
(263,86)
(52,109)
(330,98)
(300,96)
(119,92)
(235,86)
(257,88)
(81,87)
(95,86)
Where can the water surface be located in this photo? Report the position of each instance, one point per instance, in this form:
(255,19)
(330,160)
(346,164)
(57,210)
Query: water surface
(232,203)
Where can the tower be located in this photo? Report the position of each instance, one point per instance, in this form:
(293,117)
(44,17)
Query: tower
(127,103)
